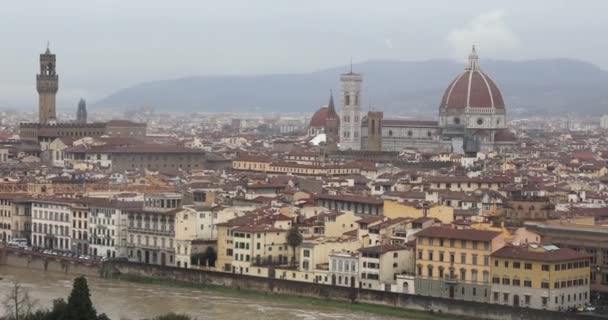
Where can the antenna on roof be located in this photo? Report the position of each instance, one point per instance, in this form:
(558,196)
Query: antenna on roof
(351,64)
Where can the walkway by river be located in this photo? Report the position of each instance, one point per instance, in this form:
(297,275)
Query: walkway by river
(124,300)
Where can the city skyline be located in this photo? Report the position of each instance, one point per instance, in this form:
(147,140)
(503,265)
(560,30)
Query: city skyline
(103,55)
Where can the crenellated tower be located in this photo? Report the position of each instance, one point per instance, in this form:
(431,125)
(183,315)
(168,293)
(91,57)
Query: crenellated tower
(47,84)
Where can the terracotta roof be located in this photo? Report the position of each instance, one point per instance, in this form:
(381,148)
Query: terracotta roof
(350,198)
(528,253)
(409,123)
(383,248)
(258,228)
(141,148)
(458,234)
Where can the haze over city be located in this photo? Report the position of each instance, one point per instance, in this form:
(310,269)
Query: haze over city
(321,160)
(109,45)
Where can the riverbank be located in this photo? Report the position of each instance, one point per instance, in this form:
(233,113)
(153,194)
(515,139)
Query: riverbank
(292,299)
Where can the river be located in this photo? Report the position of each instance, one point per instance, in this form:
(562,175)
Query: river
(125,300)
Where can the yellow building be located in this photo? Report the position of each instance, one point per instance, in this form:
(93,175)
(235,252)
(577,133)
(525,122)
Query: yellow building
(455,263)
(394,209)
(540,277)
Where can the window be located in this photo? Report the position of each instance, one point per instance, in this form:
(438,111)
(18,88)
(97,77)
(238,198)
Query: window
(506,263)
(506,281)
(516,282)
(527,299)
(545,267)
(544,285)
(463,258)
(516,265)
(544,301)
(495,296)
(480,121)
(528,266)
(486,260)
(528,283)
(505,297)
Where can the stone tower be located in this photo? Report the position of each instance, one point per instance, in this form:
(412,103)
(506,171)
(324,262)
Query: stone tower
(47,84)
(374,130)
(81,114)
(332,125)
(350,113)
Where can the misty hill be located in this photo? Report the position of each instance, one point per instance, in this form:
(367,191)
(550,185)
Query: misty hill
(396,87)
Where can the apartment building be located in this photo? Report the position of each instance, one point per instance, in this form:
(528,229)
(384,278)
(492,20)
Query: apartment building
(51,224)
(455,263)
(379,265)
(151,229)
(540,277)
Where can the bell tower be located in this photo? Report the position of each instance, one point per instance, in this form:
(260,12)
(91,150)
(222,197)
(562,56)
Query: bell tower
(47,84)
(350,113)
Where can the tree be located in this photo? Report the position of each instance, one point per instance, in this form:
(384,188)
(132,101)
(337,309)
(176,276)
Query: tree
(294,239)
(18,303)
(79,305)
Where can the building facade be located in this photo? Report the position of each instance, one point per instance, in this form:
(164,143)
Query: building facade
(151,230)
(540,277)
(455,263)
(51,224)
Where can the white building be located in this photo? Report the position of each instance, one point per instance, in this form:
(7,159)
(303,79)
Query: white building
(151,230)
(193,224)
(344,269)
(604,122)
(350,113)
(108,229)
(51,224)
(380,265)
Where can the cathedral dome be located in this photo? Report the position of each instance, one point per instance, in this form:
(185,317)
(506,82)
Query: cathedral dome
(320,117)
(472,89)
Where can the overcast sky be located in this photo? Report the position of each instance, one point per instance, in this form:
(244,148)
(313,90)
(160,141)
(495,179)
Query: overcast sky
(105,45)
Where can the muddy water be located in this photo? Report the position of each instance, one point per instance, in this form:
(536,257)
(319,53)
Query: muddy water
(123,300)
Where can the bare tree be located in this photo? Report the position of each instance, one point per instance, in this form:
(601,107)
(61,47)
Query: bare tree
(18,303)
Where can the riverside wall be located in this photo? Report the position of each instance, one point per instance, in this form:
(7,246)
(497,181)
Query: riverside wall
(113,269)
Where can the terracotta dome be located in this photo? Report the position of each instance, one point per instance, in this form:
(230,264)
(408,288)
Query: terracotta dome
(504,135)
(473,88)
(320,117)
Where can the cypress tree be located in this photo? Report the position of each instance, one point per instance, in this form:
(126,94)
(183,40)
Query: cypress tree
(79,305)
